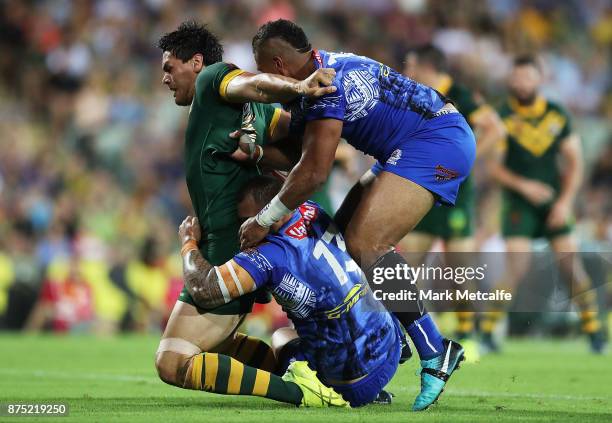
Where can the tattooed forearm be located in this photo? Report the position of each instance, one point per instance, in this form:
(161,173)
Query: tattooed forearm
(201,281)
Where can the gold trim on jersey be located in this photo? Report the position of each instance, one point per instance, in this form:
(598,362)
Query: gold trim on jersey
(536,138)
(274,122)
(444,84)
(535,110)
(226,80)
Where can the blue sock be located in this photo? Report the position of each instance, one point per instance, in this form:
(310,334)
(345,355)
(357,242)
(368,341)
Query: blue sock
(426,337)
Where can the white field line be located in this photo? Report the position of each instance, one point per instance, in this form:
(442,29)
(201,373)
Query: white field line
(156,381)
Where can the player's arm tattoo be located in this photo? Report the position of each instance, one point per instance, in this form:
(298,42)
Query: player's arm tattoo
(201,280)
(212,286)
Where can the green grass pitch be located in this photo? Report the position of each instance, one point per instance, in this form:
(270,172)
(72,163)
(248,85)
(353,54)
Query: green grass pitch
(106,380)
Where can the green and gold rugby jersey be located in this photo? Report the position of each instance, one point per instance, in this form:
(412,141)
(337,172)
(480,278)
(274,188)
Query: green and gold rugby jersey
(213,179)
(534,135)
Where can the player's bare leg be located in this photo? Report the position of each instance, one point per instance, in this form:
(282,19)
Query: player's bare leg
(190,356)
(189,333)
(386,212)
(391,208)
(342,218)
(581,288)
(518,260)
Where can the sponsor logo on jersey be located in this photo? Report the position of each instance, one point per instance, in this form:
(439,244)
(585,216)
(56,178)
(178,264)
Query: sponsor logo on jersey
(297,230)
(309,212)
(350,300)
(445,174)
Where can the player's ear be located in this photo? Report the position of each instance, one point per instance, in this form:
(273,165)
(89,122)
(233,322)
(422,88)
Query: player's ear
(279,65)
(197,61)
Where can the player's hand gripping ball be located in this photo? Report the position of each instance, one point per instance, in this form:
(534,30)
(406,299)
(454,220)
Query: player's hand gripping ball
(248,151)
(190,229)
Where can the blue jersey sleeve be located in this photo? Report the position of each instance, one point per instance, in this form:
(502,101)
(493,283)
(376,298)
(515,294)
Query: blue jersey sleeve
(261,261)
(330,106)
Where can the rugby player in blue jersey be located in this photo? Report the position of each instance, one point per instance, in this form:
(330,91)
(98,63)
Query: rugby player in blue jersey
(341,332)
(424,148)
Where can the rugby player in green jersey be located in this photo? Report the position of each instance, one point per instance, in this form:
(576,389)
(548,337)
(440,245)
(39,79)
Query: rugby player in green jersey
(453,226)
(200,349)
(539,194)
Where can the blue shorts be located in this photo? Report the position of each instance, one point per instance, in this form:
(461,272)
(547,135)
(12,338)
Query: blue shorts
(438,157)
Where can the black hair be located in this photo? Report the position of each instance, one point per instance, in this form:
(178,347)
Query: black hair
(191,38)
(285,30)
(527,59)
(263,189)
(431,55)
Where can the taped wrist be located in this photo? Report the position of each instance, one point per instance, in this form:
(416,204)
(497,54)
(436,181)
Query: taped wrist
(272,213)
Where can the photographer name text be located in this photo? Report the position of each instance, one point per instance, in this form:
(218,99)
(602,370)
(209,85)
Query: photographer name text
(446,295)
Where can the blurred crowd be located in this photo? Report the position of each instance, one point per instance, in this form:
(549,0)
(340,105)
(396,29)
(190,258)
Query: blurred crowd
(91,182)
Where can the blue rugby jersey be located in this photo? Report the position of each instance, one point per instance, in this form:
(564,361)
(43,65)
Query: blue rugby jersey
(306,267)
(380,107)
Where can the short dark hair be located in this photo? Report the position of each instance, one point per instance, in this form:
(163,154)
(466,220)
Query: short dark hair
(192,38)
(285,30)
(527,59)
(263,188)
(431,55)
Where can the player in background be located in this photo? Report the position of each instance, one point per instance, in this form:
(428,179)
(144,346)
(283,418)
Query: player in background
(425,150)
(221,98)
(341,332)
(453,226)
(539,194)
